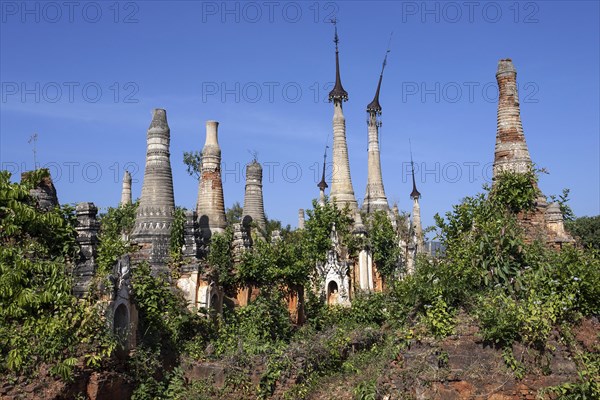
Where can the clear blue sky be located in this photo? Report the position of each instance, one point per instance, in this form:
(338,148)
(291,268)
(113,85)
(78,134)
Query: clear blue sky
(263,71)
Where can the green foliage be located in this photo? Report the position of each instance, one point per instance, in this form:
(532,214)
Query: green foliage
(275,225)
(511,362)
(518,291)
(64,369)
(318,228)
(115,226)
(522,290)
(259,265)
(561,288)
(166,328)
(563,202)
(366,390)
(21,220)
(515,191)
(586,230)
(588,384)
(279,265)
(368,309)
(234,213)
(193,162)
(256,328)
(178,388)
(438,317)
(220,260)
(177,234)
(146,368)
(40,320)
(384,244)
(500,318)
(484,243)
(164,319)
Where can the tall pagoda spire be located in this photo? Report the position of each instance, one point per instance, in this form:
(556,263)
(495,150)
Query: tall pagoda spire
(338,92)
(375,198)
(415,193)
(253,197)
(211,204)
(417,229)
(154,215)
(342,192)
(511,153)
(323,185)
(374,106)
(126,189)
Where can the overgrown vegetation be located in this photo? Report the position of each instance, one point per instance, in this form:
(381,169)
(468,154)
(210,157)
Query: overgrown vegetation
(41,322)
(177,235)
(587,230)
(384,245)
(115,226)
(516,291)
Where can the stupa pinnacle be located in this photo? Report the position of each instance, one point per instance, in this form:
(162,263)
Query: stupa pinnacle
(342,192)
(157,203)
(323,185)
(253,197)
(511,153)
(126,190)
(416,212)
(211,204)
(375,198)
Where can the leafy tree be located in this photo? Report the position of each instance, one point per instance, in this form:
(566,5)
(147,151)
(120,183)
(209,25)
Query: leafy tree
(279,265)
(164,319)
(275,225)
(220,261)
(519,289)
(193,162)
(234,213)
(256,328)
(115,227)
(483,240)
(563,202)
(384,244)
(318,229)
(40,319)
(587,230)
(515,191)
(166,328)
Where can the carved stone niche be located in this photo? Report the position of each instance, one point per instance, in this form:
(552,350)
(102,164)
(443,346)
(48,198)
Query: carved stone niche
(191,246)
(121,313)
(87,230)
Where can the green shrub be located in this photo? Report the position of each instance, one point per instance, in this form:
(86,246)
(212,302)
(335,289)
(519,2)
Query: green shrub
(438,317)
(500,318)
(114,225)
(40,320)
(366,390)
(255,329)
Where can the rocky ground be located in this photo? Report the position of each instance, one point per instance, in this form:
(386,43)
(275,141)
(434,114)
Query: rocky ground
(460,366)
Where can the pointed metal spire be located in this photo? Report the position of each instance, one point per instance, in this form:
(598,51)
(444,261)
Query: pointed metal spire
(337,93)
(323,185)
(415,193)
(374,106)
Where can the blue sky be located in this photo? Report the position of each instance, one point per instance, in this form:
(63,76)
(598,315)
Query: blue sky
(85,78)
